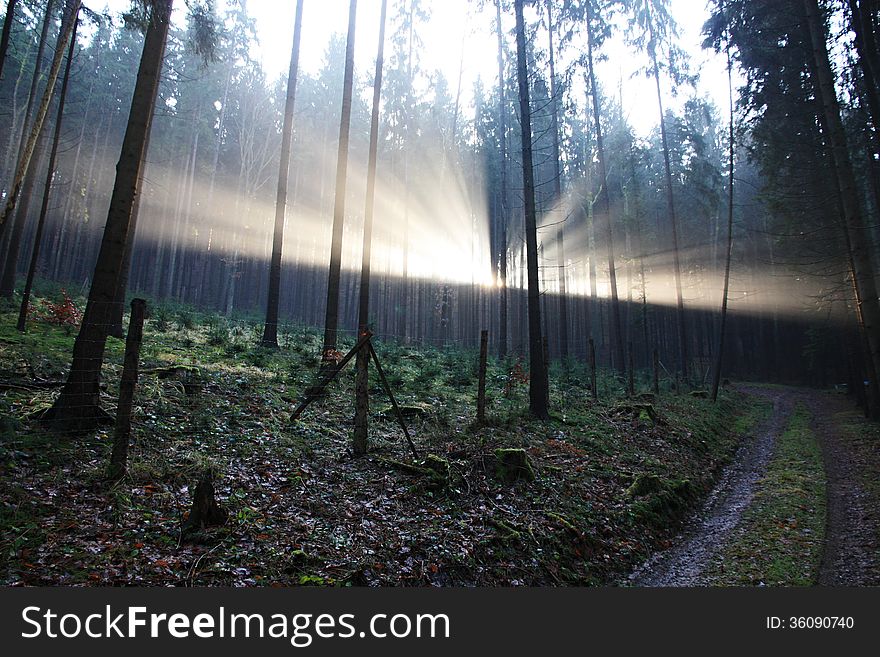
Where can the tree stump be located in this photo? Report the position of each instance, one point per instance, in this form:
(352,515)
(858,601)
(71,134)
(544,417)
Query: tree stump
(512,465)
(205,511)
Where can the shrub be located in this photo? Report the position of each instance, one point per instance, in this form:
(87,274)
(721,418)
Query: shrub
(61,313)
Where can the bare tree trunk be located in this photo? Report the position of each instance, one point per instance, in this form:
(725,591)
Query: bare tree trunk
(78,408)
(670,206)
(857,238)
(41,222)
(538,384)
(605,207)
(557,193)
(502,251)
(331,319)
(362,404)
(7,29)
(11,241)
(719,353)
(28,150)
(270,331)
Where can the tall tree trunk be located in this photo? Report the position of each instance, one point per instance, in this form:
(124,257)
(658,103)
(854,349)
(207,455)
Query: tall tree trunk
(857,238)
(78,407)
(557,193)
(403,308)
(862,27)
(538,384)
(331,319)
(7,29)
(670,206)
(605,206)
(719,353)
(41,222)
(362,404)
(22,211)
(43,108)
(640,245)
(270,331)
(10,242)
(502,251)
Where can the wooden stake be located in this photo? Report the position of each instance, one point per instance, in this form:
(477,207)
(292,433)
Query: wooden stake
(545,344)
(593,370)
(481,386)
(631,382)
(362,401)
(122,434)
(656,372)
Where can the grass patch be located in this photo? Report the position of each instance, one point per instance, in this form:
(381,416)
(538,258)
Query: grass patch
(780,538)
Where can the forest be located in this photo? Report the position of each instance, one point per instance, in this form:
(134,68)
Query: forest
(534,306)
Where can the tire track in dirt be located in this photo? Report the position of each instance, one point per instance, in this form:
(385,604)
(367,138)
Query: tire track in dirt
(685,563)
(852,529)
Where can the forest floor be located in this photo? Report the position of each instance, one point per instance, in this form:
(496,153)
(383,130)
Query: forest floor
(798,506)
(612,480)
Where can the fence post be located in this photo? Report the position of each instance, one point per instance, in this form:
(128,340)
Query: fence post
(593,370)
(631,382)
(122,434)
(656,372)
(481,386)
(362,399)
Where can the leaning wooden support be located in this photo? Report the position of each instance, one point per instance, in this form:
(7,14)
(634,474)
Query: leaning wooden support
(122,435)
(394,405)
(328,374)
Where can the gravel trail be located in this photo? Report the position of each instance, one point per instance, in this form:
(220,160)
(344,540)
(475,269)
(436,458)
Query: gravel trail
(685,562)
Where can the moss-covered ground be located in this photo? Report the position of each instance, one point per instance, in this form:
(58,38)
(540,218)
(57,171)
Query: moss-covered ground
(780,539)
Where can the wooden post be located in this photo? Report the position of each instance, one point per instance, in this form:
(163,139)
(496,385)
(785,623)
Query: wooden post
(119,456)
(545,345)
(362,399)
(481,386)
(656,372)
(593,370)
(631,382)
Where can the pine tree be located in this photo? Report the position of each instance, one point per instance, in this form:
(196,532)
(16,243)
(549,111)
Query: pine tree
(270,331)
(78,407)
(538,383)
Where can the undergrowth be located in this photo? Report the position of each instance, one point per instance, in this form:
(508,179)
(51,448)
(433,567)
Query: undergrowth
(302,509)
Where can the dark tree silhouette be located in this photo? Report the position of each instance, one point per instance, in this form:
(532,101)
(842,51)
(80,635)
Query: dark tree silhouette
(502,143)
(7,30)
(78,407)
(47,189)
(538,384)
(331,319)
(362,404)
(270,331)
(604,198)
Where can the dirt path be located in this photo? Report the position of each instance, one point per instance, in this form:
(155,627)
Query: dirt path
(852,533)
(685,562)
(851,457)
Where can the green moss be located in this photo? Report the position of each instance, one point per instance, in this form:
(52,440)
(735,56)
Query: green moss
(780,538)
(661,502)
(512,465)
